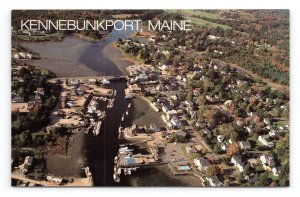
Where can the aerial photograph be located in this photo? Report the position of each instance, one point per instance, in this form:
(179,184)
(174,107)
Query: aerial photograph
(150,98)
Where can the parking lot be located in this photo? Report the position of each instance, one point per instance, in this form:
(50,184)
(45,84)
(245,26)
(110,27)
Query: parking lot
(173,152)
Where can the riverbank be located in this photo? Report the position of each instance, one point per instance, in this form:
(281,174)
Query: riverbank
(70,164)
(89,39)
(62,58)
(112,52)
(127,57)
(144,114)
(159,176)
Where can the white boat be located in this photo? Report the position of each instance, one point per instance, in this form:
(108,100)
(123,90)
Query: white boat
(110,103)
(97,129)
(129,96)
(119,171)
(129,105)
(115,93)
(126,112)
(123,117)
(116,177)
(88,129)
(116,159)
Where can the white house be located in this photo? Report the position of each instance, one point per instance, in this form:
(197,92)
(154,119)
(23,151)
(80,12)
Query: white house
(267,121)
(220,138)
(206,131)
(224,146)
(189,103)
(244,145)
(190,149)
(165,108)
(276,171)
(175,122)
(264,141)
(214,181)
(201,163)
(237,163)
(267,161)
(249,129)
(274,133)
(170,114)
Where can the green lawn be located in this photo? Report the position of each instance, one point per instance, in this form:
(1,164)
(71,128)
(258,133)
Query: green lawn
(187,14)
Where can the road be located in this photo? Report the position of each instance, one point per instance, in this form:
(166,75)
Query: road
(270,83)
(255,76)
(77,182)
(19,176)
(203,143)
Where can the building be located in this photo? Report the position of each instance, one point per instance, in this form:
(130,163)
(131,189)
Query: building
(181,133)
(220,138)
(201,163)
(154,128)
(245,145)
(134,88)
(142,78)
(206,131)
(214,181)
(56,180)
(105,81)
(198,147)
(264,141)
(274,133)
(189,103)
(175,122)
(276,171)
(237,163)
(267,161)
(170,114)
(127,161)
(190,149)
(40,91)
(26,165)
(131,131)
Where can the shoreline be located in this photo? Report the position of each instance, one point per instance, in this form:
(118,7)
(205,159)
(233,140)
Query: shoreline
(126,57)
(89,39)
(70,164)
(161,176)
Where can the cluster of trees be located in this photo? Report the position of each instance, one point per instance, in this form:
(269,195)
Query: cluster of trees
(271,62)
(36,118)
(176,138)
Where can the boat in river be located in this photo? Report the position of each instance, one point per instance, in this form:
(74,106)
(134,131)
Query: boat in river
(116,159)
(128,96)
(111,103)
(97,129)
(119,171)
(88,129)
(116,177)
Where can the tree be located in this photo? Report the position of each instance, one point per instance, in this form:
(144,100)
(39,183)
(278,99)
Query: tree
(233,149)
(226,182)
(211,170)
(246,169)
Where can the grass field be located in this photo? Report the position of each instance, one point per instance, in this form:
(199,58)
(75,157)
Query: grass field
(188,14)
